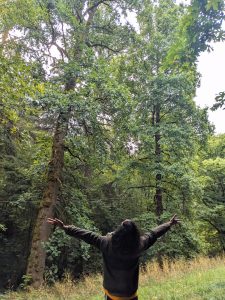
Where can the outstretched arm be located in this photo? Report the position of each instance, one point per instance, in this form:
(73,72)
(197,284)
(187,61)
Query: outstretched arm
(151,237)
(87,236)
(163,228)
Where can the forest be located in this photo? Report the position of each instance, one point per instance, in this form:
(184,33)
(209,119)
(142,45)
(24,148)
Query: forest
(98,123)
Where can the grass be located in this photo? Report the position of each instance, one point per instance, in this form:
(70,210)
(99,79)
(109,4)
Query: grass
(199,279)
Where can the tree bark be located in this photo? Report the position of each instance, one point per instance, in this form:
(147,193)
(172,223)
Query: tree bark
(42,230)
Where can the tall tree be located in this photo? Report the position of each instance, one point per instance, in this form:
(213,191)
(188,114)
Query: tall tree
(164,103)
(166,128)
(63,37)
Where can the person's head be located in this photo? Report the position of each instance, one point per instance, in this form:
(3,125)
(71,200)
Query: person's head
(126,238)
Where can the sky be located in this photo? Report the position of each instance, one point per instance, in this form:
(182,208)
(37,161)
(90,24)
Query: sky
(212,69)
(211,66)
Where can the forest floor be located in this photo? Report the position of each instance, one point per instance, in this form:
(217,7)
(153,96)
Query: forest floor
(198,279)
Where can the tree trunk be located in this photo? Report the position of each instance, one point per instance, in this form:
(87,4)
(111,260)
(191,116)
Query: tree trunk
(42,230)
(158,178)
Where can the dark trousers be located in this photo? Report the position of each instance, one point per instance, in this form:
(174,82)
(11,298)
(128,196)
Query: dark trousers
(107,298)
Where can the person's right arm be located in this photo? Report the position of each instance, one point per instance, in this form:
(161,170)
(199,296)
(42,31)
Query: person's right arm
(86,235)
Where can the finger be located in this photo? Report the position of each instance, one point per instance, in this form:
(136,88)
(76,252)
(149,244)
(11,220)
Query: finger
(58,220)
(50,222)
(178,222)
(174,216)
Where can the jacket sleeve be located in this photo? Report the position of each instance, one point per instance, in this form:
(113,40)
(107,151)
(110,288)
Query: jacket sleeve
(87,236)
(151,237)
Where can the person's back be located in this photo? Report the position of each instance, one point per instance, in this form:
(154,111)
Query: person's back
(121,250)
(120,273)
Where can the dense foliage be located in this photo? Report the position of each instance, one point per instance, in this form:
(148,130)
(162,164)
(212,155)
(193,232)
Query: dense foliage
(98,124)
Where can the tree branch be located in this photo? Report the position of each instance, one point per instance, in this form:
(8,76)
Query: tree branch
(94,6)
(141,187)
(73,155)
(214,226)
(79,16)
(103,46)
(54,36)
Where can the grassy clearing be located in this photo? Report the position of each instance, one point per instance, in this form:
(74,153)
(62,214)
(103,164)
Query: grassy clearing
(199,279)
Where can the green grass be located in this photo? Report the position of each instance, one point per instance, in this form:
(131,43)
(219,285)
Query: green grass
(200,279)
(206,284)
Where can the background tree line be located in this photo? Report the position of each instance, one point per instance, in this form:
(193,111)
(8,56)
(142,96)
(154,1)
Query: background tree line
(98,124)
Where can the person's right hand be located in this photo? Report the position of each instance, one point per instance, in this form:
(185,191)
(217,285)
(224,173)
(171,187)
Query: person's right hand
(56,222)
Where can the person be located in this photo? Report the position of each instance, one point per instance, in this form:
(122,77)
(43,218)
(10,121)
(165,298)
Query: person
(121,250)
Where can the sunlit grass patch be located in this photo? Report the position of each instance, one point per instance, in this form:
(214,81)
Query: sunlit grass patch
(198,279)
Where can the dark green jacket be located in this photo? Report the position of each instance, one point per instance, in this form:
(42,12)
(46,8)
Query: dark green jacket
(120,271)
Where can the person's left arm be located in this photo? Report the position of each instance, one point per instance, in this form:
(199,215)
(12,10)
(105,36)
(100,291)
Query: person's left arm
(151,237)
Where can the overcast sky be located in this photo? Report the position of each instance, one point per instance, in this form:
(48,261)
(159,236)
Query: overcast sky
(212,68)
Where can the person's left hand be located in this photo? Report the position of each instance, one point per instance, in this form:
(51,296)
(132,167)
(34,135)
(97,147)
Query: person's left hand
(56,222)
(174,220)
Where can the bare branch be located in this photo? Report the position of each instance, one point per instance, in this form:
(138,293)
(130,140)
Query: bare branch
(54,36)
(63,33)
(60,49)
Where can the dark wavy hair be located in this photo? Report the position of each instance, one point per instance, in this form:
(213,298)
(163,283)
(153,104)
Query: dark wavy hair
(126,238)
